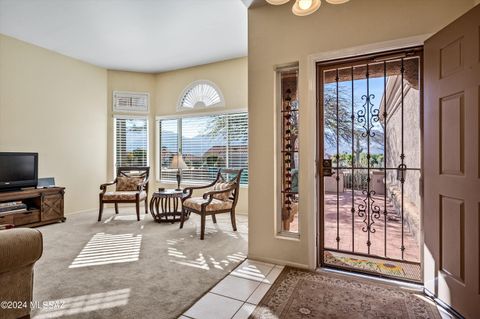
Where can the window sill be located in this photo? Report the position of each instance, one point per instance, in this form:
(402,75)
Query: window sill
(286,235)
(189,184)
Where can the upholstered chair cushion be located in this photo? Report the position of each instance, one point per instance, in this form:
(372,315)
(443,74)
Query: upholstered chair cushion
(127,195)
(215,204)
(220,186)
(128,183)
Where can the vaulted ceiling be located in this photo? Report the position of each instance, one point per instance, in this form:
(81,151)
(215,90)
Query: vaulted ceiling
(132,35)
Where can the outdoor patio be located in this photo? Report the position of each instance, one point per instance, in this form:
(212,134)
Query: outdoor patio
(393,227)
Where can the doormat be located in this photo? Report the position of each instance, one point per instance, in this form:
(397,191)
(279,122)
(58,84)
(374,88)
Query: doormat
(401,270)
(303,294)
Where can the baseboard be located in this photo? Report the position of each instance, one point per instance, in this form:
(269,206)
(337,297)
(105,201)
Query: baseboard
(443,305)
(278,262)
(128,205)
(106,207)
(81,211)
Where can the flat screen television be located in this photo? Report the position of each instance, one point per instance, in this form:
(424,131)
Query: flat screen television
(18,170)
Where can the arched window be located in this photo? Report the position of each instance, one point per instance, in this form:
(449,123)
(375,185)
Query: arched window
(200,94)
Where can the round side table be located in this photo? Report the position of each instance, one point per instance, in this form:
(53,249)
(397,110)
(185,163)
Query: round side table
(165,204)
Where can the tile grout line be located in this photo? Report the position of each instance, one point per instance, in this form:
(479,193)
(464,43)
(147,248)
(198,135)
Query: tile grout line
(255,290)
(198,299)
(243,301)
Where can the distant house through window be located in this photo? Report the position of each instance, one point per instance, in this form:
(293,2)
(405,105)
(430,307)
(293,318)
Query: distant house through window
(207,143)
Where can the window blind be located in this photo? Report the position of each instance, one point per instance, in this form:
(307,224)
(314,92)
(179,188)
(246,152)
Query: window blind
(168,148)
(131,142)
(130,101)
(206,143)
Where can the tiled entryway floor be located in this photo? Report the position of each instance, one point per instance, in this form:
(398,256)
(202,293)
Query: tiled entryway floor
(237,295)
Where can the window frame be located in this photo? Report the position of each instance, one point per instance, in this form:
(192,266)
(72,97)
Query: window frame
(279,231)
(179,117)
(128,117)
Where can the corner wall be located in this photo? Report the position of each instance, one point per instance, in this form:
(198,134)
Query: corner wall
(276,37)
(55,105)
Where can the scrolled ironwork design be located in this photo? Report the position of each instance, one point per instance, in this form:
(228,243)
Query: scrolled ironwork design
(369,211)
(368,115)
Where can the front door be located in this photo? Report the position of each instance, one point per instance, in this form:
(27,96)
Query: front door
(452,164)
(370,143)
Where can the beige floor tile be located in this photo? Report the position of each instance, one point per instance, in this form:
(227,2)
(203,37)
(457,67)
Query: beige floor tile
(235,287)
(258,293)
(273,275)
(253,270)
(212,306)
(245,311)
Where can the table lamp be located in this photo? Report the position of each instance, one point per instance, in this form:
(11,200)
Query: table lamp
(178,163)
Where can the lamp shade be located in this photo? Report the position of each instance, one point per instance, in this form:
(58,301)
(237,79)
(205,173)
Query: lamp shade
(337,1)
(277,2)
(178,162)
(305,7)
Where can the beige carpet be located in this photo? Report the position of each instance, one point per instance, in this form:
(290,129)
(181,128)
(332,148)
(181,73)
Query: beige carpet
(121,268)
(301,294)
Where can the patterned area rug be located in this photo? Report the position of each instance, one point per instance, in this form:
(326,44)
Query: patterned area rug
(302,294)
(400,270)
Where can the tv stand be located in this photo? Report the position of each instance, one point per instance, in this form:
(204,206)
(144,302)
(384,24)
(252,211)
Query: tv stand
(44,206)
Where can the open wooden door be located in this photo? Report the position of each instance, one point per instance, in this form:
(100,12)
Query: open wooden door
(452,164)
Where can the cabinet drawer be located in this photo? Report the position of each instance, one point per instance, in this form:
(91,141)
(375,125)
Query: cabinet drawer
(52,207)
(8,219)
(26,218)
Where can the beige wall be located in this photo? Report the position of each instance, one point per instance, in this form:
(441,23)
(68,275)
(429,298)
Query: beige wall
(165,89)
(277,37)
(230,76)
(55,105)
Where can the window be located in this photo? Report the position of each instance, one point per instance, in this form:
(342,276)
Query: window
(131,141)
(200,94)
(206,144)
(289,159)
(130,102)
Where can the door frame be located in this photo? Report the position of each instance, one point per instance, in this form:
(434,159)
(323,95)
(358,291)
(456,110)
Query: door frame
(352,61)
(378,47)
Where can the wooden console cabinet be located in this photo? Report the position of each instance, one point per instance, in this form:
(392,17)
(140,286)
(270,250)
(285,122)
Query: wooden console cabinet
(44,206)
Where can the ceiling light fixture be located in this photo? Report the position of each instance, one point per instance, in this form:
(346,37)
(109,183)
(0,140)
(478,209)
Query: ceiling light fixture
(337,1)
(277,2)
(305,7)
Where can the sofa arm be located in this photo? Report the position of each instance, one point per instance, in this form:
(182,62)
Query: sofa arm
(19,247)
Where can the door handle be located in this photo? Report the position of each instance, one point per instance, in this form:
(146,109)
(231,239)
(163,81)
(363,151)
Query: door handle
(327,167)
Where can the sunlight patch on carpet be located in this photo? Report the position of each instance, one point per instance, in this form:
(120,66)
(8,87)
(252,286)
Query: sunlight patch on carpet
(103,249)
(85,303)
(203,262)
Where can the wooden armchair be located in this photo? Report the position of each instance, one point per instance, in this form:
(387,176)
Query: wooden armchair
(222,199)
(131,187)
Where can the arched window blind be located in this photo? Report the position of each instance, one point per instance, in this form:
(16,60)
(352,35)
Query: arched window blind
(200,94)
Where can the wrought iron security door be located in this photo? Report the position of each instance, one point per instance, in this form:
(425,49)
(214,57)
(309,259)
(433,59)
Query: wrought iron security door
(370,138)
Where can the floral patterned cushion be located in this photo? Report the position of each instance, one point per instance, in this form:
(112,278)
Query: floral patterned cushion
(128,183)
(124,195)
(221,185)
(196,203)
